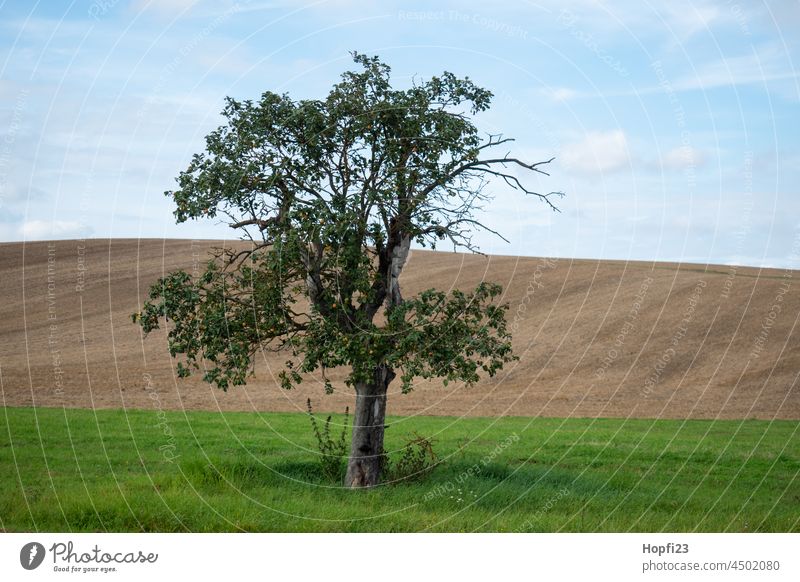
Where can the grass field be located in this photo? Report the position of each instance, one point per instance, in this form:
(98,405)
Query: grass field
(147,470)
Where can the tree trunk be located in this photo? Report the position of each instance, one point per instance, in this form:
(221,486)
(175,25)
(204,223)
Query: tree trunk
(366,448)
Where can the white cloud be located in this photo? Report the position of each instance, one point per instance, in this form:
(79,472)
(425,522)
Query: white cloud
(55,229)
(686,21)
(683,157)
(680,20)
(164,8)
(598,152)
(15,193)
(768,63)
(558,94)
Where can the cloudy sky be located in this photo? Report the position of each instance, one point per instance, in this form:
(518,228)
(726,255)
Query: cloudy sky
(675,126)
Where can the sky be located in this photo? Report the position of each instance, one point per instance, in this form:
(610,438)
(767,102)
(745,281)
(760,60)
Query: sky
(675,126)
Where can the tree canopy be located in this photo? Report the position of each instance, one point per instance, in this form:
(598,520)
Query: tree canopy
(331,193)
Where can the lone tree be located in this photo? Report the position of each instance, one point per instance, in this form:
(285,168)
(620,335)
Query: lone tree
(331,193)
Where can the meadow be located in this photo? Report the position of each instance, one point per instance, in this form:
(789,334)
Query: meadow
(71,470)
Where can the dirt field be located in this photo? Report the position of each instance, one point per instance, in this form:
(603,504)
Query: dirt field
(595,338)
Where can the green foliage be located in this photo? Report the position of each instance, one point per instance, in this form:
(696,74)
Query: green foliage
(450,336)
(415,460)
(330,193)
(332,451)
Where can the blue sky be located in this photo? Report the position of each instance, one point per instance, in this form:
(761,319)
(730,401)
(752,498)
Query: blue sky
(675,126)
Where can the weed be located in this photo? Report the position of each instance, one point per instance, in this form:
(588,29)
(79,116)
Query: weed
(416,459)
(332,451)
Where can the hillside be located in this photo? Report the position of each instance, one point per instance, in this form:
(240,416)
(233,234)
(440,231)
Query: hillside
(595,338)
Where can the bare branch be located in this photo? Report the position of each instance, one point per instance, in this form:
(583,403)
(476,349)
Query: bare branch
(260,223)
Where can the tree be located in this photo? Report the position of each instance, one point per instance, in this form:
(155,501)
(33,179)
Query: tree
(331,193)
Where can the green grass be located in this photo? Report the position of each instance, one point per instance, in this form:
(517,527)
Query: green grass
(110,470)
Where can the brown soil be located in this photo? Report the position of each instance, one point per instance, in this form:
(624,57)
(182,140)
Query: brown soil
(698,342)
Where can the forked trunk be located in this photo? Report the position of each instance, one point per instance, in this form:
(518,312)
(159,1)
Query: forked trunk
(366,448)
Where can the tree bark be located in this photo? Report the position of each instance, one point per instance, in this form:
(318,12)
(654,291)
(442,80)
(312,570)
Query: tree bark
(366,447)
